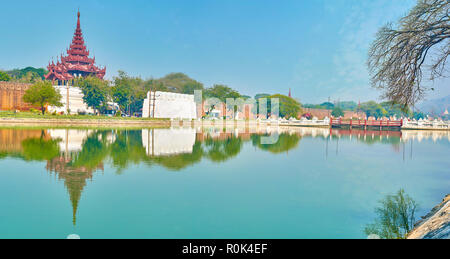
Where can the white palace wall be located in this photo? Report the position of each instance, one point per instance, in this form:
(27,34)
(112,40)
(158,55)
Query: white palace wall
(170,105)
(76,103)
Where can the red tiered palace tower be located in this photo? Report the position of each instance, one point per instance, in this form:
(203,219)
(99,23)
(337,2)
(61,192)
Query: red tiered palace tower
(76,64)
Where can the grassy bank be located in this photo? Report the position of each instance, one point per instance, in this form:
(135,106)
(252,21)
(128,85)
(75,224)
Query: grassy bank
(38,116)
(40,126)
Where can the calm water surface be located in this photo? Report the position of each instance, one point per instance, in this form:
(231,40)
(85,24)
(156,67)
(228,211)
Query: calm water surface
(211,182)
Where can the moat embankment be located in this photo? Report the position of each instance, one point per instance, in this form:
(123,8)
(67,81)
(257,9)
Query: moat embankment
(436,224)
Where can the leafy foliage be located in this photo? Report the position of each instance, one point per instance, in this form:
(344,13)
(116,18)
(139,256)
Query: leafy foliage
(4,76)
(95,91)
(42,94)
(337,112)
(180,83)
(221,92)
(129,93)
(289,107)
(396,217)
(374,109)
(27,75)
(259,96)
(325,105)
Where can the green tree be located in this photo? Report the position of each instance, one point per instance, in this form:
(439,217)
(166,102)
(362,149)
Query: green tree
(371,108)
(259,96)
(418,115)
(221,92)
(289,107)
(327,105)
(180,83)
(337,112)
(393,109)
(28,73)
(41,94)
(396,217)
(4,76)
(348,106)
(95,92)
(121,91)
(155,85)
(129,92)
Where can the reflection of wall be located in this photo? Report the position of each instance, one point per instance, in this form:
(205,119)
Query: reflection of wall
(425,134)
(72,140)
(163,142)
(170,105)
(11,139)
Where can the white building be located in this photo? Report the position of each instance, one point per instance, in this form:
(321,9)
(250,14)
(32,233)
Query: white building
(76,103)
(169,105)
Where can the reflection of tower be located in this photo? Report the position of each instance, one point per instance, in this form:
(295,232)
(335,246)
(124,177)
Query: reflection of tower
(74,179)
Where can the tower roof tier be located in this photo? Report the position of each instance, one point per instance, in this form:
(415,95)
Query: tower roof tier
(77,62)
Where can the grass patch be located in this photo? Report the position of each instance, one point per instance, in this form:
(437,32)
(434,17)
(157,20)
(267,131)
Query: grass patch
(31,115)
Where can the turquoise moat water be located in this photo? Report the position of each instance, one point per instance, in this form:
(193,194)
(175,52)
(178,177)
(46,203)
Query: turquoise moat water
(211,182)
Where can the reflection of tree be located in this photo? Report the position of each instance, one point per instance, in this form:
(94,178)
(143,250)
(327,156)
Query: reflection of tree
(369,140)
(371,137)
(40,149)
(94,150)
(222,150)
(127,149)
(285,143)
(396,217)
(180,161)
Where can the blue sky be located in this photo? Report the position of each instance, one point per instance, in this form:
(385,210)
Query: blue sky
(317,47)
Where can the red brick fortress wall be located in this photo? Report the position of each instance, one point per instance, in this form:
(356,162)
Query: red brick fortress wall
(11,96)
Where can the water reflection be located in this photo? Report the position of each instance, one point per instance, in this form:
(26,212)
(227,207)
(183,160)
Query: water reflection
(175,148)
(74,155)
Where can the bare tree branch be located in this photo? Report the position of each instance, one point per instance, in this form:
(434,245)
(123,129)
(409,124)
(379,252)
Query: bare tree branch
(400,52)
